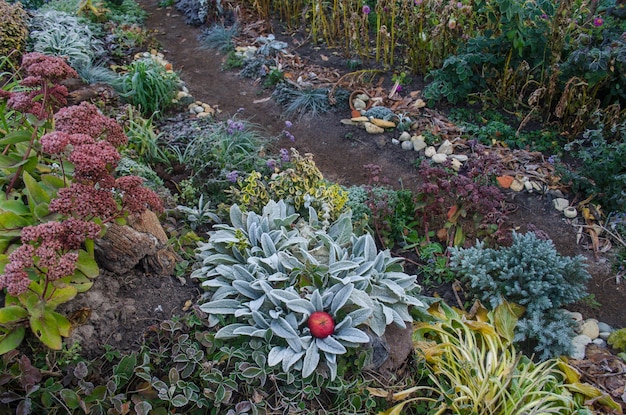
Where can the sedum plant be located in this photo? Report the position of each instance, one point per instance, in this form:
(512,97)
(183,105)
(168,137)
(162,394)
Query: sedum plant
(532,274)
(276,277)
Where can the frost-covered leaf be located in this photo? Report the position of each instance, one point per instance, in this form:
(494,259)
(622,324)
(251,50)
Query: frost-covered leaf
(352,335)
(301,305)
(276,355)
(311,360)
(224,306)
(228,331)
(341,298)
(283,329)
(330,345)
(316,300)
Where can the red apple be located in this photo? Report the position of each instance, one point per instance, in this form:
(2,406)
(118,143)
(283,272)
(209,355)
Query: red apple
(321,324)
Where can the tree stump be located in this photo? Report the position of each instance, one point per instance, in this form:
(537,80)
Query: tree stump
(141,242)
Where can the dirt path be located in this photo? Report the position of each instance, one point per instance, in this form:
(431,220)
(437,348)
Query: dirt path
(341,159)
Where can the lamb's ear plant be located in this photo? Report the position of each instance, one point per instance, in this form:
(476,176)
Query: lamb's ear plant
(474,368)
(267,274)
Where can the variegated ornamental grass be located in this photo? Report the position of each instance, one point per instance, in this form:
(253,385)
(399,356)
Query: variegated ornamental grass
(267,273)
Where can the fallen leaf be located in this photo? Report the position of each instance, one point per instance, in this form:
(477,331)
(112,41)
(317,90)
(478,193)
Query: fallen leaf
(324,57)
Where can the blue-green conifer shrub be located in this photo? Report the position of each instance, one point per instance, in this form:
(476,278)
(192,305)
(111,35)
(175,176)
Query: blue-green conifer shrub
(534,275)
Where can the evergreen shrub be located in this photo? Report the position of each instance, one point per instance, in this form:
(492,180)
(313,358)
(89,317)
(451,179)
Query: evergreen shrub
(534,275)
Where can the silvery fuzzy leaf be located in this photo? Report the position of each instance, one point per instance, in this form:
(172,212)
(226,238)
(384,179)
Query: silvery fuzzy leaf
(341,298)
(379,262)
(238,255)
(250,331)
(311,360)
(341,229)
(316,300)
(236,216)
(278,277)
(414,301)
(283,295)
(241,273)
(292,320)
(289,262)
(213,320)
(264,225)
(243,311)
(307,257)
(330,345)
(342,266)
(283,329)
(219,259)
(253,234)
(276,355)
(224,292)
(275,313)
(256,304)
(295,343)
(223,306)
(243,287)
(293,359)
(403,311)
(377,320)
(352,335)
(301,306)
(260,320)
(365,269)
(360,316)
(313,219)
(362,299)
(331,362)
(383,294)
(267,244)
(223,236)
(228,332)
(286,221)
(395,288)
(216,283)
(404,280)
(388,313)
(346,322)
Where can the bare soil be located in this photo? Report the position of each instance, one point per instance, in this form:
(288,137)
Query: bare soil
(125,306)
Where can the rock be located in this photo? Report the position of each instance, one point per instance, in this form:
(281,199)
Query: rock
(439,158)
(359,104)
(599,342)
(383,123)
(528,185)
(418,142)
(360,119)
(579,343)
(460,157)
(576,316)
(590,328)
(604,328)
(505,181)
(346,121)
(363,97)
(445,148)
(456,164)
(604,335)
(395,141)
(517,185)
(400,347)
(430,151)
(407,145)
(405,136)
(560,204)
(373,129)
(570,212)
(419,103)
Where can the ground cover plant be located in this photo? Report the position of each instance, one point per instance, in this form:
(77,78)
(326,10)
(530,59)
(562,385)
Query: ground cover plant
(300,285)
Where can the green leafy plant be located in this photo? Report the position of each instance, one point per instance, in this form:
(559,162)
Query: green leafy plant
(617,340)
(200,215)
(474,368)
(149,86)
(271,273)
(13,32)
(532,274)
(299,183)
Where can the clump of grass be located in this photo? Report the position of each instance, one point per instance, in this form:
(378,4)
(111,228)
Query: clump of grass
(219,37)
(301,102)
